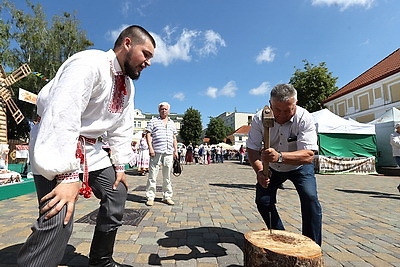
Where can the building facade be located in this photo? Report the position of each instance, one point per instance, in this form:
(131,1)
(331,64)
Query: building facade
(236,119)
(371,94)
(239,137)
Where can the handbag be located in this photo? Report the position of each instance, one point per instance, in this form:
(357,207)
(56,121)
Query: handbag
(177,168)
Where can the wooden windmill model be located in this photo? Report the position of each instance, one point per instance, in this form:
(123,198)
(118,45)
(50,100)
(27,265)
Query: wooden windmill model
(6,101)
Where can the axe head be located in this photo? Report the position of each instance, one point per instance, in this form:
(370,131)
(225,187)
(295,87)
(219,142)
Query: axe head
(268,117)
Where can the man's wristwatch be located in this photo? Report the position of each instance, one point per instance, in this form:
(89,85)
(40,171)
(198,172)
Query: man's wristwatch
(280,158)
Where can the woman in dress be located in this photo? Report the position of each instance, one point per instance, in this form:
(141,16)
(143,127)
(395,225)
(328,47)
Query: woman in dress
(144,155)
(189,154)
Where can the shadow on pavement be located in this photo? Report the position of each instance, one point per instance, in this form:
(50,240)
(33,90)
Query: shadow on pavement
(240,186)
(136,198)
(202,242)
(9,255)
(372,193)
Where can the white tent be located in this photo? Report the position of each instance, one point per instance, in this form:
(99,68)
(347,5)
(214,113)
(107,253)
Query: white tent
(328,122)
(384,127)
(344,145)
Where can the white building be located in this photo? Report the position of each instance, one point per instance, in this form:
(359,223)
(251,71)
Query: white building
(236,119)
(371,94)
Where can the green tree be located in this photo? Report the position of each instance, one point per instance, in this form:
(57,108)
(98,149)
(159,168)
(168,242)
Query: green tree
(314,84)
(43,45)
(191,126)
(217,131)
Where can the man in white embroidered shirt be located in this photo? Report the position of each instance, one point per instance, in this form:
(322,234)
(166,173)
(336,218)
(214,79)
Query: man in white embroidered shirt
(161,138)
(91,95)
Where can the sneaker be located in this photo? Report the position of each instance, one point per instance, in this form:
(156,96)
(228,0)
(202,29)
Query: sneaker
(168,201)
(150,202)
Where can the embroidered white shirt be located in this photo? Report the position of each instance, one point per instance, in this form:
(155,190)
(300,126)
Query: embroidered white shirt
(80,100)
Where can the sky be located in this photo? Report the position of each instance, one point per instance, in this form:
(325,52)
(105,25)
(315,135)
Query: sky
(221,56)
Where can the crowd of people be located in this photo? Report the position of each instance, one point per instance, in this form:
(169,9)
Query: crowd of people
(207,154)
(199,154)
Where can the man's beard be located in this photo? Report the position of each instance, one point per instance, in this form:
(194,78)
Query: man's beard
(131,71)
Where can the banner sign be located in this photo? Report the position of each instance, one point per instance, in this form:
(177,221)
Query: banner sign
(27,96)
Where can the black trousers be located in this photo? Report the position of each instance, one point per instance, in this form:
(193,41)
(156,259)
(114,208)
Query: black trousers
(49,238)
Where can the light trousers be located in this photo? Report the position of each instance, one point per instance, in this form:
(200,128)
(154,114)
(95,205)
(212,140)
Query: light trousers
(166,161)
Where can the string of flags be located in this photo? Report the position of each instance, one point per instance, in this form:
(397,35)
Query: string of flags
(40,75)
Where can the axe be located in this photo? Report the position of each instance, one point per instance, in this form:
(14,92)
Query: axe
(268,122)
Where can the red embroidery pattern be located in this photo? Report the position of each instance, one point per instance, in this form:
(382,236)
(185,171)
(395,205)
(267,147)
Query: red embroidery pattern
(119,91)
(73,176)
(120,168)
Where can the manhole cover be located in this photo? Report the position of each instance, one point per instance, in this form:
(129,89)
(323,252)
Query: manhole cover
(131,217)
(143,188)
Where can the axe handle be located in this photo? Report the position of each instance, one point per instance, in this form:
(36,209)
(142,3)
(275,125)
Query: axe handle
(266,145)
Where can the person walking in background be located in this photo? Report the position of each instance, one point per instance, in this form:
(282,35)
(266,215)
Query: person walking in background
(196,154)
(242,151)
(189,154)
(90,95)
(293,141)
(144,155)
(183,154)
(135,155)
(161,138)
(205,154)
(395,143)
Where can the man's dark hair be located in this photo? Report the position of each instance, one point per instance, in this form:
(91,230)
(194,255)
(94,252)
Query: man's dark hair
(137,34)
(283,92)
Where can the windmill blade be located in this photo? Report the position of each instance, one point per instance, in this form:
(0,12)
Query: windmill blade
(11,106)
(17,75)
(2,72)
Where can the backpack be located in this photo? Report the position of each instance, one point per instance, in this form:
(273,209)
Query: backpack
(176,168)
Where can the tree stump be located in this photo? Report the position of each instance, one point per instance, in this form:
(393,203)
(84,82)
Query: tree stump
(281,248)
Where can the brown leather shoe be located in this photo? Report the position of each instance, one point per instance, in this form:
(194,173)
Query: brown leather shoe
(150,202)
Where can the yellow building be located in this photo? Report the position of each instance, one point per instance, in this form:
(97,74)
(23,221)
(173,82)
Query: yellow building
(371,94)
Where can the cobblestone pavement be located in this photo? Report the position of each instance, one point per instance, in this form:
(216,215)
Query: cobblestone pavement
(214,207)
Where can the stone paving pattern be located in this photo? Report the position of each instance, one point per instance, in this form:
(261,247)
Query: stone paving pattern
(214,208)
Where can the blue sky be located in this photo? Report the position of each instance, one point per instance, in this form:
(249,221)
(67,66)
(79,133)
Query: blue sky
(222,55)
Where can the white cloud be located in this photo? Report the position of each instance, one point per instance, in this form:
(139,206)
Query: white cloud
(212,92)
(125,8)
(184,47)
(266,55)
(141,5)
(366,42)
(113,35)
(228,90)
(261,90)
(188,44)
(179,96)
(166,54)
(212,41)
(344,4)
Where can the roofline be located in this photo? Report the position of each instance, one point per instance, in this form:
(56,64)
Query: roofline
(339,94)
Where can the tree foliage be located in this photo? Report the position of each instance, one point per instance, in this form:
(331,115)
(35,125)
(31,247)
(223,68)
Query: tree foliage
(27,37)
(313,84)
(191,126)
(217,131)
